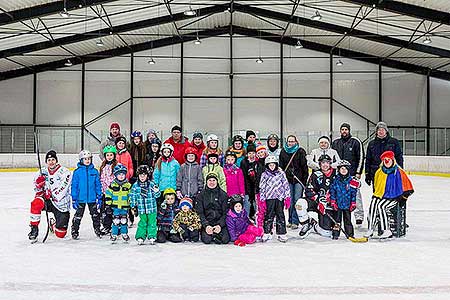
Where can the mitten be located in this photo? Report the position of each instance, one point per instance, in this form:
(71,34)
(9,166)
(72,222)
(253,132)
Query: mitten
(179,195)
(287,203)
(333,204)
(352,206)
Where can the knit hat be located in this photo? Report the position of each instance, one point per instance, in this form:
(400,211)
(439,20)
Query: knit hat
(345,125)
(261,147)
(151,131)
(211,175)
(249,133)
(176,127)
(114,125)
(121,139)
(387,154)
(197,135)
(185,201)
(324,138)
(251,148)
(381,125)
(51,154)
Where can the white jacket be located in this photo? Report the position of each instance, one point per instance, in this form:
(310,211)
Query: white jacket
(59,183)
(313,158)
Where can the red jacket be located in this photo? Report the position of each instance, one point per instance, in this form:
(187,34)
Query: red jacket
(199,150)
(124,158)
(179,148)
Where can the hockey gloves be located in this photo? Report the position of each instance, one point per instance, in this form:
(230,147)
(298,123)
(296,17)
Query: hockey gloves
(287,203)
(40,182)
(48,194)
(333,204)
(322,205)
(352,206)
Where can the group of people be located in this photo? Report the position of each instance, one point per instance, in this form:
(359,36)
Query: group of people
(185,190)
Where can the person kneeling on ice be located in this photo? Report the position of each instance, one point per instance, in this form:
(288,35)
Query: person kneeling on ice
(391,186)
(52,186)
(86,190)
(343,192)
(274,193)
(187,222)
(143,197)
(212,205)
(166,215)
(317,200)
(117,196)
(241,229)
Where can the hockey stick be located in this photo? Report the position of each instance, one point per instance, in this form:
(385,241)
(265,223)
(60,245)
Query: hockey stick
(45,201)
(352,239)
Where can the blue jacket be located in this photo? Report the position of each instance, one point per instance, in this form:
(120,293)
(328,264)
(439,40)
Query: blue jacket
(145,205)
(166,177)
(342,192)
(86,186)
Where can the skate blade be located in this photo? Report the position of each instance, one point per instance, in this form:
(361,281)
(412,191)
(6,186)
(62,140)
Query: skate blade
(33,241)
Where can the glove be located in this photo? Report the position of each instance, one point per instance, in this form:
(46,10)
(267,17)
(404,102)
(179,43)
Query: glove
(181,231)
(287,203)
(334,204)
(135,211)
(321,207)
(48,194)
(173,231)
(75,204)
(352,206)
(190,228)
(368,180)
(40,182)
(179,195)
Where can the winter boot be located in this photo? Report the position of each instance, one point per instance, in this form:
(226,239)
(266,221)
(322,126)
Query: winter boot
(75,234)
(113,238)
(125,237)
(266,237)
(369,233)
(98,233)
(152,241)
(32,236)
(307,228)
(239,243)
(282,238)
(140,241)
(289,225)
(105,231)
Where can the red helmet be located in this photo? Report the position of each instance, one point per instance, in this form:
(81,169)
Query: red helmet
(190,150)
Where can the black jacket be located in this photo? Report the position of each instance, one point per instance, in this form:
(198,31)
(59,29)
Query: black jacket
(298,166)
(252,175)
(212,207)
(350,149)
(375,148)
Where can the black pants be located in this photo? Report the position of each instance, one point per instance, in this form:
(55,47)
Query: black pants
(76,221)
(275,209)
(164,236)
(106,216)
(223,237)
(346,216)
(61,218)
(190,236)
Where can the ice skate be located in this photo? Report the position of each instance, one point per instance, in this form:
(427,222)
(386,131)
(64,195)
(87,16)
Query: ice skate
(282,238)
(113,239)
(307,228)
(125,238)
(140,241)
(32,236)
(266,237)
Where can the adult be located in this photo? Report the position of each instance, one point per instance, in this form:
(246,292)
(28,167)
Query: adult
(273,145)
(150,137)
(381,143)
(212,146)
(198,144)
(137,151)
(212,206)
(179,143)
(324,148)
(350,148)
(114,133)
(52,193)
(237,147)
(250,137)
(293,162)
(153,153)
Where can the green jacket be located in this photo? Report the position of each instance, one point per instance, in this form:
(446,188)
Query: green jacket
(118,195)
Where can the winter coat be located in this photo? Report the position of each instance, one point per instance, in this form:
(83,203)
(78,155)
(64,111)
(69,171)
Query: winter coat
(297,167)
(86,186)
(252,172)
(275,153)
(350,149)
(318,187)
(274,185)
(123,157)
(166,215)
(110,141)
(218,170)
(237,223)
(190,179)
(313,158)
(137,154)
(106,176)
(235,180)
(58,181)
(199,150)
(166,176)
(204,158)
(375,148)
(179,148)
(145,201)
(189,218)
(212,207)
(150,157)
(117,195)
(240,155)
(343,191)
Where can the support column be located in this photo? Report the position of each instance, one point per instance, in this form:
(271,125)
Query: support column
(181,83)
(131,91)
(281,93)
(331,94)
(380,92)
(83,92)
(428,145)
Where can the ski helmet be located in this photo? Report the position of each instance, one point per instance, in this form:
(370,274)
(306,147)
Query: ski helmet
(169,191)
(212,137)
(143,169)
(84,154)
(230,153)
(119,168)
(167,146)
(109,149)
(271,159)
(155,141)
(136,133)
(237,138)
(190,150)
(343,163)
(235,199)
(325,157)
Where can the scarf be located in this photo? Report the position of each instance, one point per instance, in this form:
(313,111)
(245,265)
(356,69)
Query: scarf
(391,183)
(144,189)
(292,149)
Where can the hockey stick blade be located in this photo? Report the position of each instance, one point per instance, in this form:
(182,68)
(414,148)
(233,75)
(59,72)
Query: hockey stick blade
(358,240)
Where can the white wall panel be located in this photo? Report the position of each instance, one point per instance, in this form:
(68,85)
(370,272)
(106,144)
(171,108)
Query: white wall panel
(16,98)
(440,102)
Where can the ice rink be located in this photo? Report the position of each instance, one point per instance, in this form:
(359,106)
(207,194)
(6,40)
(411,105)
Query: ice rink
(414,267)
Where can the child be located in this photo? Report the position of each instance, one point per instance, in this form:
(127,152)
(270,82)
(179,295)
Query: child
(106,178)
(86,190)
(261,152)
(391,186)
(187,222)
(233,175)
(343,192)
(241,229)
(117,197)
(123,156)
(166,215)
(237,147)
(212,146)
(198,145)
(273,144)
(153,153)
(213,167)
(274,192)
(143,201)
(137,152)
(166,170)
(52,187)
(189,177)
(252,170)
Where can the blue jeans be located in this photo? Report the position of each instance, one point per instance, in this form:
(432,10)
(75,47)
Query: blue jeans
(296,193)
(247,204)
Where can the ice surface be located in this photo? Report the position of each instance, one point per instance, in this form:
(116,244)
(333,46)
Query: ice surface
(414,267)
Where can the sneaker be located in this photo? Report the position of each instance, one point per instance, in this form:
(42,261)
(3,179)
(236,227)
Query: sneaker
(125,237)
(386,234)
(32,236)
(282,238)
(294,226)
(266,237)
(359,222)
(140,241)
(113,238)
(307,228)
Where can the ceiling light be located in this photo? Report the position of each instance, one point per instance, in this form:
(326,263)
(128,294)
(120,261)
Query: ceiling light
(259,60)
(151,61)
(298,45)
(317,16)
(64,13)
(68,63)
(99,43)
(190,12)
(427,40)
(339,63)
(197,41)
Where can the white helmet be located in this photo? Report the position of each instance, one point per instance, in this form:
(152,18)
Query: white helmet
(212,137)
(271,159)
(85,154)
(167,146)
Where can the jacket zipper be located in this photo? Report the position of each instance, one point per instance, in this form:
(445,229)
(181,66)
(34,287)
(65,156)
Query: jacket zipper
(189,180)
(87,176)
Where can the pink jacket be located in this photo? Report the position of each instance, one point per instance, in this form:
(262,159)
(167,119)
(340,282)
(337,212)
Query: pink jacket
(235,180)
(124,158)
(106,177)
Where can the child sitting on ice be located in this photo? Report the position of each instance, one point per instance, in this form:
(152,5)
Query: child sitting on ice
(187,221)
(166,215)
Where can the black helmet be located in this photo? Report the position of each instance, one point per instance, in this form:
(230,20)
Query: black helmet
(230,153)
(324,157)
(237,138)
(234,199)
(143,169)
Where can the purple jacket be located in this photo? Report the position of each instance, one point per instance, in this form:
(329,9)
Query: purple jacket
(237,223)
(235,180)
(274,185)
